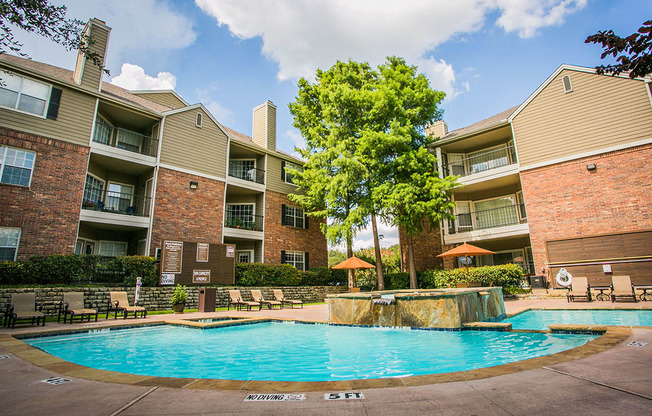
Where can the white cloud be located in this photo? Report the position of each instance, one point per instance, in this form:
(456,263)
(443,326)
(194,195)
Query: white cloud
(302,36)
(133,77)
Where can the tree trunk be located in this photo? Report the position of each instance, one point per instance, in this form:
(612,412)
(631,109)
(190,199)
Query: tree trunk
(410,261)
(379,262)
(349,254)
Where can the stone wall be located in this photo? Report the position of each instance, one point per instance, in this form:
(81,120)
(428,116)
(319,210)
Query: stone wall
(158,298)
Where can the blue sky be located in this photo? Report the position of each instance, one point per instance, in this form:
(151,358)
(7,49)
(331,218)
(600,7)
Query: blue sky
(231,55)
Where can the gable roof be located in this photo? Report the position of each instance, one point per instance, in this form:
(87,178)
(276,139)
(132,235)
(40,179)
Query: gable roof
(486,124)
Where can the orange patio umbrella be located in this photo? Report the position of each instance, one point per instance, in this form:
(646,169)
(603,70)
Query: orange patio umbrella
(466,250)
(354,263)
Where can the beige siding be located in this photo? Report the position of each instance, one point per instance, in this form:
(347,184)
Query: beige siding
(600,112)
(73,124)
(271,127)
(92,75)
(258,129)
(193,148)
(274,182)
(164,98)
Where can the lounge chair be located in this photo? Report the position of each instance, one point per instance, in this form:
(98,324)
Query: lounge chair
(621,288)
(235,298)
(73,305)
(579,290)
(258,297)
(461,285)
(119,302)
(22,307)
(278,296)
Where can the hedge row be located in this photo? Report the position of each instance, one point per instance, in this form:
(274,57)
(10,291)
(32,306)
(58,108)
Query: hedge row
(259,274)
(79,269)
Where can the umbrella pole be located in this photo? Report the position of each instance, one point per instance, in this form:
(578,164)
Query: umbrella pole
(466,262)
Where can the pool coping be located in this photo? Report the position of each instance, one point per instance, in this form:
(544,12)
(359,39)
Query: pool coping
(611,337)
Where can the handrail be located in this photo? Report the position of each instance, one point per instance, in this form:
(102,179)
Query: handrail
(251,222)
(125,139)
(116,202)
(241,170)
(488,218)
(489,160)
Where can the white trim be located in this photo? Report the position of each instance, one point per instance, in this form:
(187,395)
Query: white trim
(303,260)
(251,254)
(137,245)
(586,154)
(20,93)
(3,155)
(199,116)
(570,84)
(97,104)
(20,234)
(191,172)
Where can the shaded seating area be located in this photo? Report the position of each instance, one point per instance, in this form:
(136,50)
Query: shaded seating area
(579,290)
(235,299)
(278,296)
(119,302)
(23,307)
(622,289)
(258,297)
(73,305)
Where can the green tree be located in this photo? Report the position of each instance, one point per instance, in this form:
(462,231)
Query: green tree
(635,51)
(44,19)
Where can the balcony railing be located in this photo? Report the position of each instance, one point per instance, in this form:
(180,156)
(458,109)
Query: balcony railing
(492,159)
(489,218)
(97,199)
(242,221)
(244,171)
(125,139)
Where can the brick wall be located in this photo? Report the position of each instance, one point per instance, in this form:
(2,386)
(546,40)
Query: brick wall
(158,298)
(566,200)
(281,237)
(47,211)
(181,213)
(427,246)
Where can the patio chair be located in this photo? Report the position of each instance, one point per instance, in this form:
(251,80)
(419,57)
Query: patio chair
(622,288)
(23,307)
(73,305)
(461,285)
(579,290)
(258,296)
(278,295)
(235,298)
(118,302)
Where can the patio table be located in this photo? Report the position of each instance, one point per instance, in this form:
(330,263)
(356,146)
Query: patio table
(602,296)
(647,291)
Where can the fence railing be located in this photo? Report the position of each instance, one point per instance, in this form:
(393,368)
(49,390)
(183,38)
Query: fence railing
(98,199)
(492,159)
(489,218)
(249,222)
(125,139)
(241,170)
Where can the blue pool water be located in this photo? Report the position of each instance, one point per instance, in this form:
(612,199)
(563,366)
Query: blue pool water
(298,352)
(540,319)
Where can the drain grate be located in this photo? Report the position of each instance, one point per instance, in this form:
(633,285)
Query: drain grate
(4,357)
(637,344)
(55,381)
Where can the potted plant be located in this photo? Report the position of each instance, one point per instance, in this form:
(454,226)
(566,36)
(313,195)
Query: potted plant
(179,299)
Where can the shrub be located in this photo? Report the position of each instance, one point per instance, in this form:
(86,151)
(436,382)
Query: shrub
(259,274)
(507,275)
(180,295)
(396,281)
(135,266)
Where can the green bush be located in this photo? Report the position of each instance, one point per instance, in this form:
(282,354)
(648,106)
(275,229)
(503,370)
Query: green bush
(180,295)
(507,275)
(135,266)
(397,281)
(259,274)
(324,276)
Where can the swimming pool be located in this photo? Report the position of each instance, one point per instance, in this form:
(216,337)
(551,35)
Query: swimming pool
(298,352)
(540,319)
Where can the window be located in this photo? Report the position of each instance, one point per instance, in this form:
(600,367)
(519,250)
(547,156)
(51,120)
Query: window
(240,215)
(293,216)
(198,120)
(93,190)
(9,239)
(85,247)
(568,87)
(298,259)
(24,94)
(286,176)
(244,256)
(16,166)
(113,248)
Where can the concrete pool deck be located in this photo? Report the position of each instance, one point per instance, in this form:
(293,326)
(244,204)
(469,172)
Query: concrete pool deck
(614,381)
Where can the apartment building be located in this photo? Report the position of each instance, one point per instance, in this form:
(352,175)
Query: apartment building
(560,181)
(90,168)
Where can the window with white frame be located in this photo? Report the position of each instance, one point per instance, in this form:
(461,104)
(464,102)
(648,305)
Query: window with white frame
(240,215)
(24,94)
(119,197)
(287,176)
(244,256)
(113,248)
(9,239)
(293,216)
(295,258)
(93,190)
(16,166)
(198,120)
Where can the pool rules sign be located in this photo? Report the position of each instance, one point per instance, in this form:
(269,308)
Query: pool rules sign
(197,263)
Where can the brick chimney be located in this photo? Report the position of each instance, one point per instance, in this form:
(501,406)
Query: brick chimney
(264,125)
(437,129)
(87,73)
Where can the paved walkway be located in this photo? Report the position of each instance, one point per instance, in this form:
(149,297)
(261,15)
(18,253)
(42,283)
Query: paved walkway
(614,382)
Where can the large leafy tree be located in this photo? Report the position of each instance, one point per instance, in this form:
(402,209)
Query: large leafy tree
(44,19)
(634,53)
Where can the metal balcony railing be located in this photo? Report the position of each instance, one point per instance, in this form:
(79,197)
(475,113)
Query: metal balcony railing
(489,218)
(98,199)
(492,159)
(242,221)
(125,139)
(242,170)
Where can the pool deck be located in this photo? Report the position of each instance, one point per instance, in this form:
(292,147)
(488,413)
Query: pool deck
(614,381)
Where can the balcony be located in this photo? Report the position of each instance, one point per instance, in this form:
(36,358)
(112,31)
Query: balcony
(245,171)
(248,222)
(100,200)
(128,140)
(489,218)
(478,162)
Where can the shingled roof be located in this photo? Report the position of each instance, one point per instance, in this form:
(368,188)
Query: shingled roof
(498,119)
